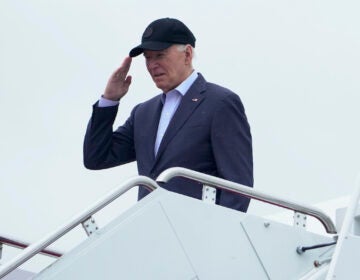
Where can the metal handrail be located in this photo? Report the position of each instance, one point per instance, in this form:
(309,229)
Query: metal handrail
(35,248)
(216,182)
(10,241)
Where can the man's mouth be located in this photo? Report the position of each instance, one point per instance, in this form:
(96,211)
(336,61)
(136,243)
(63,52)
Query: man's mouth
(158,75)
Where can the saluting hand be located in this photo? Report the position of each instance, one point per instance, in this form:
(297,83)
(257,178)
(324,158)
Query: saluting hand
(119,82)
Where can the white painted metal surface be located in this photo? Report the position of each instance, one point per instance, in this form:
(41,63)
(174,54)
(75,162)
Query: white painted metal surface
(19,274)
(170,236)
(345,260)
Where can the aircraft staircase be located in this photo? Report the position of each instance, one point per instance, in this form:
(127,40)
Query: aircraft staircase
(171,236)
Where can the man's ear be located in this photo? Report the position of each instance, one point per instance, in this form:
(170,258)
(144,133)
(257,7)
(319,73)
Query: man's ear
(188,54)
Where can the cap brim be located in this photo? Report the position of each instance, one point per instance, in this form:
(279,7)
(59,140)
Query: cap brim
(150,45)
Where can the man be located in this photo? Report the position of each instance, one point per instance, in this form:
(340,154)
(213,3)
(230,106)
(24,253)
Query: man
(192,123)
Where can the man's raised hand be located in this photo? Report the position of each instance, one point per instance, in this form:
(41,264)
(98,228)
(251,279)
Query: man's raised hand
(119,82)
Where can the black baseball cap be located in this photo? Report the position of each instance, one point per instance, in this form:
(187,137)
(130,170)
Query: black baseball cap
(162,33)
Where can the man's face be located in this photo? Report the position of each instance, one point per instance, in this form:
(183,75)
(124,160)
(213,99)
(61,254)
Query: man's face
(170,67)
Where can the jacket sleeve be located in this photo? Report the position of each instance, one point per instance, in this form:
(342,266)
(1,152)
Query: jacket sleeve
(103,147)
(232,148)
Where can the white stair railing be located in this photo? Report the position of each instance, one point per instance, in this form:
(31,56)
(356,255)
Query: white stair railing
(84,216)
(20,244)
(249,192)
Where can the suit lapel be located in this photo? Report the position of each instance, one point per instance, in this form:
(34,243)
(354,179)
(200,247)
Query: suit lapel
(189,103)
(152,119)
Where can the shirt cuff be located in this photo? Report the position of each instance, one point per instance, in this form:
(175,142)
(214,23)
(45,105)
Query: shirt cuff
(103,102)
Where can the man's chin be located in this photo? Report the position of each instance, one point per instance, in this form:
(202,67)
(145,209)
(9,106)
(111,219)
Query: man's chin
(160,86)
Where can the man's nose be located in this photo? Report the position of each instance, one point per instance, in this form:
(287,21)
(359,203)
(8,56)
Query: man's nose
(151,64)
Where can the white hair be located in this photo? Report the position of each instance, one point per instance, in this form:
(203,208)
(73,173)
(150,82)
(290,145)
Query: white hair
(182,47)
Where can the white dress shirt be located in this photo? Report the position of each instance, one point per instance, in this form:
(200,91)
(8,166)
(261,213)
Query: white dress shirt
(171,101)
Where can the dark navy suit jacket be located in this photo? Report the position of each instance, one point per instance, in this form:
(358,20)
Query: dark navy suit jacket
(208,133)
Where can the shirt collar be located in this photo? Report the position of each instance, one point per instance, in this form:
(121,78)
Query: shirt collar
(184,86)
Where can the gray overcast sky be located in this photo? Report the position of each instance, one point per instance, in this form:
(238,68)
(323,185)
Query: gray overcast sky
(295,65)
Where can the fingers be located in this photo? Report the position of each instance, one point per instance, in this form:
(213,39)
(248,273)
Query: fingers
(119,82)
(128,81)
(122,71)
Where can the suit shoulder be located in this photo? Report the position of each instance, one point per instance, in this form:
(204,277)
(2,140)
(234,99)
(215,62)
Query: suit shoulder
(218,92)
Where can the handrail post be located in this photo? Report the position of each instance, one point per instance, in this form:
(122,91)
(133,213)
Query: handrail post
(90,226)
